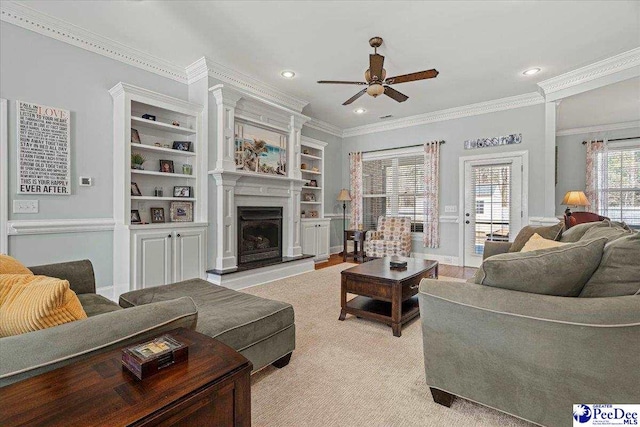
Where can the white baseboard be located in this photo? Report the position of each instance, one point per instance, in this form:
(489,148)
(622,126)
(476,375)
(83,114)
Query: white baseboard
(442,259)
(336,249)
(263,275)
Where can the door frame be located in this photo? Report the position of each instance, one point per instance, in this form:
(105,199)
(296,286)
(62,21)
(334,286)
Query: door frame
(4,177)
(524,158)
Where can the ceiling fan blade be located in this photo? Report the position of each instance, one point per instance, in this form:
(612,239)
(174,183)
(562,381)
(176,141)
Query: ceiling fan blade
(354,97)
(392,93)
(411,77)
(338,82)
(375,67)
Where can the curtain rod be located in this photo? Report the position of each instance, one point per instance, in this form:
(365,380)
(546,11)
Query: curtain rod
(397,148)
(610,140)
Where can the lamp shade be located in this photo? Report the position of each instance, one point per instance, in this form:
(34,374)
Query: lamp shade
(344,196)
(575,198)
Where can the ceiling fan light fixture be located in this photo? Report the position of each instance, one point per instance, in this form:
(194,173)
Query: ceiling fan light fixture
(375,89)
(531,71)
(288,74)
(360,110)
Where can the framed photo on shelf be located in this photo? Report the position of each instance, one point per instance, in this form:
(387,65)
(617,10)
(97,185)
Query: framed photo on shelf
(135,216)
(166,166)
(181,211)
(135,136)
(182,145)
(182,191)
(313,183)
(309,197)
(312,214)
(149,117)
(157,215)
(135,191)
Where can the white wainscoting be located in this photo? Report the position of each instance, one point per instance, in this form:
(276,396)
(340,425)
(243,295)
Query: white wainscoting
(55,226)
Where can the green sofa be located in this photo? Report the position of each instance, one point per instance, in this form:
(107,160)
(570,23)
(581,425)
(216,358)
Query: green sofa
(534,355)
(260,329)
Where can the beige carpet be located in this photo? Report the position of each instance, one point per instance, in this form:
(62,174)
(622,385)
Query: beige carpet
(351,373)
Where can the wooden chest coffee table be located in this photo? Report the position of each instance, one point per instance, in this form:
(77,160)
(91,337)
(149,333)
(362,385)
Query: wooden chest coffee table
(385,295)
(211,388)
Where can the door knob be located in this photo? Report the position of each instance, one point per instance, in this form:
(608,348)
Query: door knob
(466,222)
(169,236)
(178,235)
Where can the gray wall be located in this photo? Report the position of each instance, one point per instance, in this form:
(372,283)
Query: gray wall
(39,69)
(572,160)
(527,120)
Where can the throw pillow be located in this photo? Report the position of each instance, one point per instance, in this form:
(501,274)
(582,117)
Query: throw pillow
(538,242)
(619,271)
(8,280)
(552,232)
(10,265)
(561,271)
(576,232)
(38,302)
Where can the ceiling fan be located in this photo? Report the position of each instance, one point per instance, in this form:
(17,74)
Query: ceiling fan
(376,80)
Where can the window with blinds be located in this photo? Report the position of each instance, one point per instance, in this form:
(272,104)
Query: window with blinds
(393,186)
(618,184)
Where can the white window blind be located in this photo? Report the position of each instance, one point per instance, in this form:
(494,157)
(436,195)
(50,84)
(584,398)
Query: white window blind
(491,188)
(618,184)
(393,186)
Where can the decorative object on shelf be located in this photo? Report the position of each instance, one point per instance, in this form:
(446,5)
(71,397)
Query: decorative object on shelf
(315,169)
(313,214)
(309,197)
(344,197)
(574,198)
(303,166)
(149,117)
(157,144)
(187,169)
(157,215)
(181,211)
(135,136)
(182,145)
(166,146)
(135,190)
(43,146)
(303,215)
(135,216)
(158,192)
(166,166)
(515,138)
(137,161)
(261,150)
(175,123)
(305,151)
(182,191)
(146,359)
(313,183)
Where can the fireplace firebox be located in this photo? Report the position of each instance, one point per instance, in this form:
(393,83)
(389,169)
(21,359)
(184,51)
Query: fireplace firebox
(259,234)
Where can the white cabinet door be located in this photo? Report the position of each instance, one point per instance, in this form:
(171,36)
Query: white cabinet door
(323,241)
(153,259)
(189,254)
(309,238)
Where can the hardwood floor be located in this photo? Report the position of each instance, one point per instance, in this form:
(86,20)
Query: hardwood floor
(443,269)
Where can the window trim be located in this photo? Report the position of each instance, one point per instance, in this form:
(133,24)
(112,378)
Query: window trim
(615,146)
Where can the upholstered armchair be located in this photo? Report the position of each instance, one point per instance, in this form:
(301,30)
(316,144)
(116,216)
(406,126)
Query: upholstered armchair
(392,237)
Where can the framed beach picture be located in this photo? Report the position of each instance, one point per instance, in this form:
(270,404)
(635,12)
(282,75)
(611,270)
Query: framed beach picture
(259,149)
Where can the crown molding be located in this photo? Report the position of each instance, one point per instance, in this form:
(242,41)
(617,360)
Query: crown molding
(501,104)
(600,128)
(324,127)
(607,67)
(207,67)
(33,20)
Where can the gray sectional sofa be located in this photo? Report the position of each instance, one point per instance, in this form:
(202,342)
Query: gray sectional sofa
(260,329)
(513,347)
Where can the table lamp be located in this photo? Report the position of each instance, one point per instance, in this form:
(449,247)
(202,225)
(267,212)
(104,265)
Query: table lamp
(344,197)
(575,199)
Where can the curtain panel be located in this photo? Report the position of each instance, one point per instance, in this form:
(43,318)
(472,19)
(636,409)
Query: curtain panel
(431,232)
(596,172)
(355,179)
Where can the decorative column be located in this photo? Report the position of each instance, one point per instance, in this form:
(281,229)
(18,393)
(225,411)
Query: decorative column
(225,101)
(294,247)
(225,221)
(550,114)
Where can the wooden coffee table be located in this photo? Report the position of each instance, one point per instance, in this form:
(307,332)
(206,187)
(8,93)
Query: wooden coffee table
(385,295)
(211,388)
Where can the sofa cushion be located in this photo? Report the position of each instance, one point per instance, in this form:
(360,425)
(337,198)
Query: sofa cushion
(235,318)
(38,302)
(27,355)
(561,271)
(537,242)
(10,265)
(612,232)
(576,232)
(94,304)
(552,232)
(619,271)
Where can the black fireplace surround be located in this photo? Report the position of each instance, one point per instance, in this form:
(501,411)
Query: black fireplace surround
(259,234)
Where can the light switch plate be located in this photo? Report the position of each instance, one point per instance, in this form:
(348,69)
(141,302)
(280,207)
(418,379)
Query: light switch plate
(25,206)
(451,209)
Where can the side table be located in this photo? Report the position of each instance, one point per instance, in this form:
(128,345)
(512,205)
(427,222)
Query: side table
(211,388)
(358,244)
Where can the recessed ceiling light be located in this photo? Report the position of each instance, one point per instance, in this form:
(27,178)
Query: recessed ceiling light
(288,74)
(359,111)
(531,71)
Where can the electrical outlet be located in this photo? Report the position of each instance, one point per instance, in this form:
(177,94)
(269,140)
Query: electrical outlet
(450,209)
(86,181)
(25,206)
